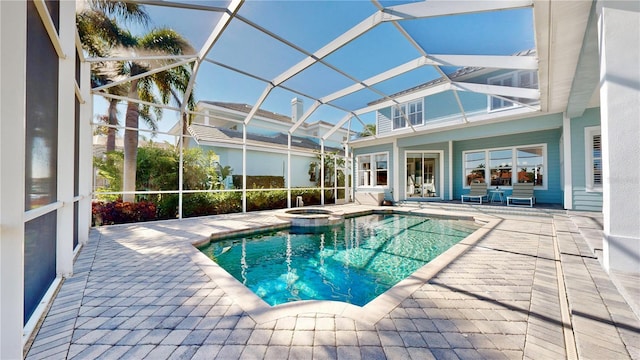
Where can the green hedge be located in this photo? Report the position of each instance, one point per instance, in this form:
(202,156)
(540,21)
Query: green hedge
(259,182)
(201,204)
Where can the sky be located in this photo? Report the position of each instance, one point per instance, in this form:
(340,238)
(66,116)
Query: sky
(309,25)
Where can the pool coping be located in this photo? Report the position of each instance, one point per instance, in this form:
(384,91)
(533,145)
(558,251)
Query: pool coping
(373,311)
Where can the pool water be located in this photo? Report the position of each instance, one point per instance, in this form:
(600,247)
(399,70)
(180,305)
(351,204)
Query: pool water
(353,262)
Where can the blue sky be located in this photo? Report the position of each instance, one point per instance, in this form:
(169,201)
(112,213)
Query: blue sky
(310,25)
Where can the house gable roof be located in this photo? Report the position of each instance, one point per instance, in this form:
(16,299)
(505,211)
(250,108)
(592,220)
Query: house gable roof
(209,133)
(245,108)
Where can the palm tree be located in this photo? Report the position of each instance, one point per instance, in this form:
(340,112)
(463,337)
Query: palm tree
(102,36)
(166,84)
(98,34)
(368,130)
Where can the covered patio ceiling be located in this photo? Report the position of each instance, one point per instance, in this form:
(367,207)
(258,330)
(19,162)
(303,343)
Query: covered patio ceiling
(347,59)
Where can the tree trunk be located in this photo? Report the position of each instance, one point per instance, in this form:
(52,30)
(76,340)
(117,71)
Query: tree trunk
(131,144)
(185,131)
(112,120)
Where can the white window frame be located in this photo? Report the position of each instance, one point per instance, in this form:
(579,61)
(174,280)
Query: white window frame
(589,133)
(514,167)
(515,82)
(371,173)
(402,111)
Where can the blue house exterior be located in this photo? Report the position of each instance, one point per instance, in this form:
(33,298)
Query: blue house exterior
(426,149)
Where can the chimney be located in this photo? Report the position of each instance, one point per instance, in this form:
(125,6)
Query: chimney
(297,109)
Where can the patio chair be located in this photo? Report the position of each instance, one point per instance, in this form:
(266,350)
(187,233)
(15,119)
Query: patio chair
(522,192)
(478,191)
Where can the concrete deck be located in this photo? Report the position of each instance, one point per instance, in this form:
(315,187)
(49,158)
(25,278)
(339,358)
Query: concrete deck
(528,286)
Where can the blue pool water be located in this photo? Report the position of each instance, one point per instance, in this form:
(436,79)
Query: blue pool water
(353,262)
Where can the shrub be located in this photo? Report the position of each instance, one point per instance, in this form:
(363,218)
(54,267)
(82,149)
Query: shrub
(168,206)
(200,204)
(266,200)
(310,197)
(259,182)
(120,212)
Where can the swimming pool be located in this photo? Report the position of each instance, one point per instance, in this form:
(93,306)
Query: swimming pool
(353,262)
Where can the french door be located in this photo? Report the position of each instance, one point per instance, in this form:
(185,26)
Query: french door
(421,175)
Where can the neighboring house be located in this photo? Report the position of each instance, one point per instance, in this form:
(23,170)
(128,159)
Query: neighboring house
(442,141)
(267,140)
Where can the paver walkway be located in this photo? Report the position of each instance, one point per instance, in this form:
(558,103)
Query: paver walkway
(138,293)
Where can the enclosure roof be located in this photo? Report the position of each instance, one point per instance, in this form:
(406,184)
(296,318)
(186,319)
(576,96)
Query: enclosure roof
(345,58)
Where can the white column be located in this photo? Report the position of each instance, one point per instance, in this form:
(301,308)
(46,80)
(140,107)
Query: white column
(348,174)
(244,168)
(397,170)
(289,170)
(567,184)
(321,171)
(619,41)
(450,170)
(13,53)
(66,143)
(181,166)
(85,166)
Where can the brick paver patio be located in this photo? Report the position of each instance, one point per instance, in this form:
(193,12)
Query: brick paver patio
(530,288)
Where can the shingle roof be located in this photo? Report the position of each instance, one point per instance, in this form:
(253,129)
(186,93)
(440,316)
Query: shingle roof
(210,133)
(245,108)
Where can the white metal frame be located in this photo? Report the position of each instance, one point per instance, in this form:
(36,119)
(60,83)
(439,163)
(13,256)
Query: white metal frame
(392,14)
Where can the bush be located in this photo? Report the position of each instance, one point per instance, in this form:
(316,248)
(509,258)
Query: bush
(201,204)
(266,200)
(120,212)
(168,206)
(259,182)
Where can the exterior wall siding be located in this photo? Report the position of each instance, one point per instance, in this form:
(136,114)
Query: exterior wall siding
(267,164)
(384,121)
(473,102)
(551,138)
(582,198)
(444,105)
(544,129)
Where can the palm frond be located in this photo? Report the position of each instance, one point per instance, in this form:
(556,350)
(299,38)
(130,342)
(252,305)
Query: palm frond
(125,10)
(166,41)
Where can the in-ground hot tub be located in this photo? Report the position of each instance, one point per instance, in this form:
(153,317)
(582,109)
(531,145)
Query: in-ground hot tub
(311,217)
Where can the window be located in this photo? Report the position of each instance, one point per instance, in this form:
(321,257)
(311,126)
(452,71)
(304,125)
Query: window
(373,170)
(522,79)
(530,165)
(411,111)
(474,167)
(593,158)
(505,166)
(498,103)
(500,163)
